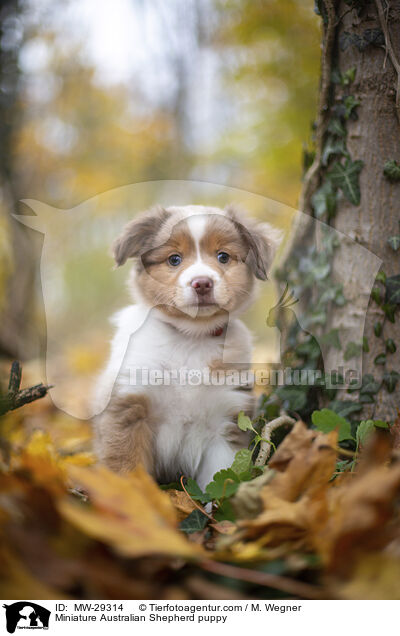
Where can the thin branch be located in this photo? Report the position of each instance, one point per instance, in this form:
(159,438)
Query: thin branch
(289,586)
(390,50)
(266,432)
(16,398)
(15,378)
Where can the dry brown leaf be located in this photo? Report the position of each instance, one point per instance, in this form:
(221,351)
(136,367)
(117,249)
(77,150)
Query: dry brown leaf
(247,502)
(360,508)
(224,527)
(376,577)
(298,441)
(309,464)
(341,520)
(181,502)
(17,582)
(39,458)
(129,512)
(395,431)
(293,501)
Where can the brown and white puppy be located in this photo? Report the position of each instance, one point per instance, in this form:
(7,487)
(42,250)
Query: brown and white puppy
(194,273)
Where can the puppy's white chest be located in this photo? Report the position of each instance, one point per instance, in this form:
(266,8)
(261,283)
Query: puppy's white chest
(192,413)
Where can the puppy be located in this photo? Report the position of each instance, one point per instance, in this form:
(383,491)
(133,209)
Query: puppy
(194,273)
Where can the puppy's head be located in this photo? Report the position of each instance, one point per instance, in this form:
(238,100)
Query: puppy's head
(197,261)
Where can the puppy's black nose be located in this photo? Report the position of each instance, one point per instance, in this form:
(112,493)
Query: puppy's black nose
(202,285)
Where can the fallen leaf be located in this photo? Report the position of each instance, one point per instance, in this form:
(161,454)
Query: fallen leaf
(182,503)
(360,507)
(130,513)
(297,441)
(376,577)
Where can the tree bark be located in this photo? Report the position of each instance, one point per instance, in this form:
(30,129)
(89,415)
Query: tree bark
(374,138)
(17,272)
(361,38)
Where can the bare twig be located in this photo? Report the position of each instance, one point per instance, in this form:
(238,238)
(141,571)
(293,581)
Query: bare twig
(267,430)
(390,50)
(15,378)
(290,586)
(16,398)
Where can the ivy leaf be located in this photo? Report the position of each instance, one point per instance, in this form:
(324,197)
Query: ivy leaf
(348,76)
(352,350)
(225,484)
(244,422)
(347,39)
(389,311)
(380,358)
(336,127)
(336,76)
(365,428)
(324,201)
(342,465)
(309,349)
(369,385)
(350,104)
(394,242)
(391,170)
(194,522)
(390,379)
(327,421)
(345,176)
(340,300)
(332,339)
(390,345)
(376,295)
(367,399)
(319,9)
(328,295)
(195,491)
(294,398)
(308,158)
(374,37)
(242,461)
(381,277)
(316,318)
(378,329)
(321,271)
(345,407)
(332,147)
(393,290)
(381,424)
(370,37)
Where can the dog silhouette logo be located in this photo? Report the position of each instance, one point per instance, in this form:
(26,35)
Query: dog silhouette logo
(26,615)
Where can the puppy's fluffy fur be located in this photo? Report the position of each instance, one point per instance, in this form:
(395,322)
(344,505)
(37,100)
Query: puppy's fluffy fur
(188,299)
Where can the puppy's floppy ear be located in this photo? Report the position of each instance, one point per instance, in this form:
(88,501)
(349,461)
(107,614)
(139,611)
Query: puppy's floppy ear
(136,239)
(261,239)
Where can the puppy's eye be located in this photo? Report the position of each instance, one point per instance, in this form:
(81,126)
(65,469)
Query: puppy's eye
(223,257)
(174,260)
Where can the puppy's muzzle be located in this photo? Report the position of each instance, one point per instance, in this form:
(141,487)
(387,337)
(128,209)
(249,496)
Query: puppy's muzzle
(203,286)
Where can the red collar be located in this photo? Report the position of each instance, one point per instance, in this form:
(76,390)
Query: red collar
(218,332)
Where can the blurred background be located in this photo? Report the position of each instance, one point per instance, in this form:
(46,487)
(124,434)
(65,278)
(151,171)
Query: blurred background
(97,95)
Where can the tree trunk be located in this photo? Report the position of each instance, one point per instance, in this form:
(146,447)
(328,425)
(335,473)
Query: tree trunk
(360,61)
(16,250)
